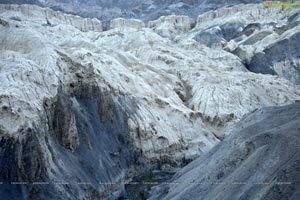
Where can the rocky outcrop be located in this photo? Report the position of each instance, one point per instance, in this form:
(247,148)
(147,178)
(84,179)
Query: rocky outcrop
(208,77)
(172,25)
(49,17)
(264,39)
(46,161)
(225,24)
(65,125)
(259,160)
(126,23)
(80,149)
(280,58)
(4,23)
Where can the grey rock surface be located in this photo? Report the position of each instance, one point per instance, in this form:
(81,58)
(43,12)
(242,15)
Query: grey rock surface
(282,58)
(52,163)
(259,160)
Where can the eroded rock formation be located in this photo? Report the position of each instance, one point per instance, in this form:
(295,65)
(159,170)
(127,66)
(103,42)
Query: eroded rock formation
(80,105)
(80,149)
(266,40)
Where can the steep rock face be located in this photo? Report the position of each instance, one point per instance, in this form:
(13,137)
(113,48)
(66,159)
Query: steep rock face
(81,152)
(49,17)
(64,125)
(209,77)
(225,24)
(259,160)
(280,58)
(127,23)
(266,40)
(172,25)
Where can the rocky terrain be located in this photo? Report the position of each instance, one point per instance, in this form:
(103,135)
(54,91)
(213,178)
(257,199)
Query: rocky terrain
(259,160)
(266,40)
(84,112)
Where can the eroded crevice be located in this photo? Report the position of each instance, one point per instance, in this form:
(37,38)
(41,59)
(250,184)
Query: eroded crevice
(217,125)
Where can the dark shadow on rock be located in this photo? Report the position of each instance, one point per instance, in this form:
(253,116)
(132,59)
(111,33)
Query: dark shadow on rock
(82,151)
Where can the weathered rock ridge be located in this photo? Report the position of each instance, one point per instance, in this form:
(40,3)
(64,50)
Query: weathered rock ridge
(266,40)
(51,18)
(140,9)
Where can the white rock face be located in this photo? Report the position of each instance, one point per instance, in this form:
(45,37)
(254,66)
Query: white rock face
(185,95)
(126,23)
(216,84)
(266,40)
(216,27)
(244,13)
(49,17)
(171,25)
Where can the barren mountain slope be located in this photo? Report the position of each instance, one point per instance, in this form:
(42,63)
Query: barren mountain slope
(80,105)
(259,160)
